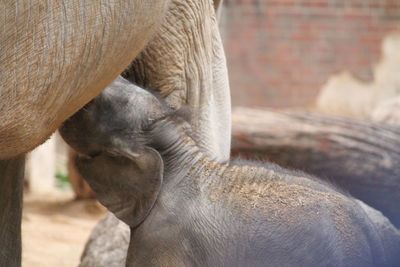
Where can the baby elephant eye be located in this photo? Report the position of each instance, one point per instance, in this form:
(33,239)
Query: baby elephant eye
(94,154)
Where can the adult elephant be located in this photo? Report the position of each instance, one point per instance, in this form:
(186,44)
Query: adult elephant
(57,55)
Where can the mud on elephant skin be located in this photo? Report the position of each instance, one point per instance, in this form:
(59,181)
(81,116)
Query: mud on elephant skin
(186,209)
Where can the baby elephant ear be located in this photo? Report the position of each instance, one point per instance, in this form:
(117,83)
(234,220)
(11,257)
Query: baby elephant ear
(127,184)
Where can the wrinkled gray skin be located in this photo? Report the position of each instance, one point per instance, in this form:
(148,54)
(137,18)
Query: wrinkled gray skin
(185,209)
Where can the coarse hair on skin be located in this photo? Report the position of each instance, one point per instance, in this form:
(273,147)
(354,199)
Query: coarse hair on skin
(259,162)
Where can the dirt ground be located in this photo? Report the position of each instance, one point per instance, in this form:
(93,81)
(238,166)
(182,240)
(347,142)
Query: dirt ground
(55,229)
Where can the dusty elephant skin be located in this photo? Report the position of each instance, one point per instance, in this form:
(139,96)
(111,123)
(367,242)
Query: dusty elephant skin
(185,209)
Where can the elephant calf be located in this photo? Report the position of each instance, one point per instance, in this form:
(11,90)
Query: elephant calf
(185,209)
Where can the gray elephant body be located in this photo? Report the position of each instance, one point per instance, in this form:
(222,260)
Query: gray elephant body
(186,209)
(256,216)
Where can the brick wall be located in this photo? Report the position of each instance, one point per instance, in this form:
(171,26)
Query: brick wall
(281,52)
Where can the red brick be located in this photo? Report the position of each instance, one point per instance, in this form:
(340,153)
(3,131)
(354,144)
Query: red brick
(280,52)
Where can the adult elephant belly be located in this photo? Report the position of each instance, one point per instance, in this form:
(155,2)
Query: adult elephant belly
(185,63)
(57,55)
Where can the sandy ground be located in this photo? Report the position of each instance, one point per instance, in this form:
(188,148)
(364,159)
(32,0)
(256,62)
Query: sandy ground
(55,229)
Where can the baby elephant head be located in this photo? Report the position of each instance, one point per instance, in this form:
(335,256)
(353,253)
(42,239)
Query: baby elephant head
(114,120)
(109,135)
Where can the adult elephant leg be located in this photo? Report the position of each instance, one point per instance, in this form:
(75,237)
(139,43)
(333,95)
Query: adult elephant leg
(185,62)
(11,186)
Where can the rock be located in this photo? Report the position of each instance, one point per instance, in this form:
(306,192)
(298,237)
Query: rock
(107,245)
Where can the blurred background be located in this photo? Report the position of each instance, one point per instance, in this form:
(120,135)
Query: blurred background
(337,57)
(284,53)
